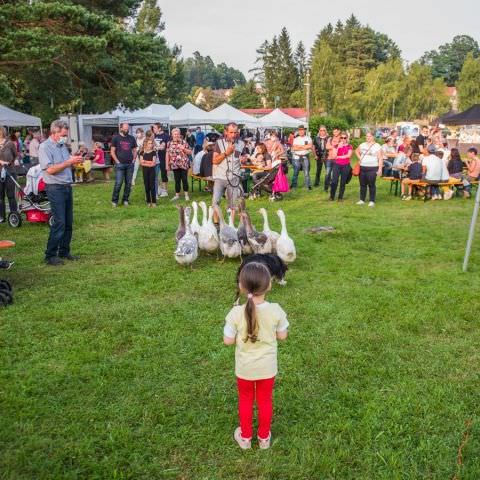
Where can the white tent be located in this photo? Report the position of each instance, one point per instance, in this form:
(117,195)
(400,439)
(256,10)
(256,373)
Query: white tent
(279,119)
(12,118)
(155,113)
(226,113)
(107,119)
(190,115)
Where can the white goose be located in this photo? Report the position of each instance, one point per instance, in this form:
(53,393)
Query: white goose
(285,246)
(207,236)
(187,247)
(228,238)
(195,226)
(266,230)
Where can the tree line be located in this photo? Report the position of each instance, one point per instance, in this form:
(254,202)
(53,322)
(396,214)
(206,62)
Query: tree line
(80,56)
(358,74)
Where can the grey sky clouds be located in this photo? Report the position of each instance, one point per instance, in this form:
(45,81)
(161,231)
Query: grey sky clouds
(230,32)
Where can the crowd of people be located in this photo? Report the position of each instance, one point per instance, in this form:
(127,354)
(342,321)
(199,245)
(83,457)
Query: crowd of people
(226,162)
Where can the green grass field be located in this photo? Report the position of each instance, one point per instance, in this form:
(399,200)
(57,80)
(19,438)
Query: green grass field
(114,367)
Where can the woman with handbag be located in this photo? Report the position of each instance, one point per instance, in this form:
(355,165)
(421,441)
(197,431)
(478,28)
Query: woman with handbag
(341,167)
(371,165)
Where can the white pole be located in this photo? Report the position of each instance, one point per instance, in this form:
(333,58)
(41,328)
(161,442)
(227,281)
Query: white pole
(472,229)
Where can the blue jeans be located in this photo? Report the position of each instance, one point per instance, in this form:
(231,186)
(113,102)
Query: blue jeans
(328,173)
(123,172)
(305,163)
(61,203)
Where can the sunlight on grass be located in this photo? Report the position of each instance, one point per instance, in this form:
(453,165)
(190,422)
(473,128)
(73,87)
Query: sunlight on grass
(113,367)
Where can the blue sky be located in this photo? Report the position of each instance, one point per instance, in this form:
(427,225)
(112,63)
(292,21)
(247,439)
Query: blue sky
(230,32)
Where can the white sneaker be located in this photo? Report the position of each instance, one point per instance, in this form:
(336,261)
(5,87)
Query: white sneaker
(243,443)
(175,199)
(114,205)
(163,194)
(361,202)
(187,198)
(125,204)
(371,204)
(264,444)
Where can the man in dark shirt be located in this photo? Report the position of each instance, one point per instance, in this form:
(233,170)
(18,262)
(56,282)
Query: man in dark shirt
(123,152)
(161,139)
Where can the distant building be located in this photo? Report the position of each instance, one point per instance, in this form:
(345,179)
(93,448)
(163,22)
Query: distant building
(208,98)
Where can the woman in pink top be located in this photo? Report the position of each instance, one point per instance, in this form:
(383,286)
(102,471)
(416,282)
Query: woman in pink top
(341,167)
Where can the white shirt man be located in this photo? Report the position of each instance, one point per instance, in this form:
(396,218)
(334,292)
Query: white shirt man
(302,146)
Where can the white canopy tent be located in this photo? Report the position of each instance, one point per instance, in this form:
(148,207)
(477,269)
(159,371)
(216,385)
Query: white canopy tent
(12,118)
(155,113)
(190,115)
(278,119)
(226,113)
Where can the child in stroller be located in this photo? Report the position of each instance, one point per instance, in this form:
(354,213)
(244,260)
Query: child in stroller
(264,177)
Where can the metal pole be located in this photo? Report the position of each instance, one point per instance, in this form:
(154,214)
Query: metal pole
(307,85)
(472,229)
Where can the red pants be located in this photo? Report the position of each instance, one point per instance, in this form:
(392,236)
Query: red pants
(248,392)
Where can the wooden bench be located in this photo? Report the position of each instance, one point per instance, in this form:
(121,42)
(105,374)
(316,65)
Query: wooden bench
(197,178)
(426,185)
(393,181)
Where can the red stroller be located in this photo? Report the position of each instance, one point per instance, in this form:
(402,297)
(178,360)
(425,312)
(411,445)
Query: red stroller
(32,202)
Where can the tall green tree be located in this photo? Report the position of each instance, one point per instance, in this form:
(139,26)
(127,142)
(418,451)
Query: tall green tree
(423,96)
(468,85)
(201,71)
(448,60)
(246,96)
(301,62)
(58,57)
(149,18)
(382,96)
(287,80)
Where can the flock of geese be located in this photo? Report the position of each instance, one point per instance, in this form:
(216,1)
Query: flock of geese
(232,241)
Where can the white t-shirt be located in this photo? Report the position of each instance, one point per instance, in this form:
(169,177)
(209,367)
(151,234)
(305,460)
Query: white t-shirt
(369,154)
(305,140)
(436,168)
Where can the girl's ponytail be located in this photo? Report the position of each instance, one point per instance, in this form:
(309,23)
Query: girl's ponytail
(254,279)
(251,317)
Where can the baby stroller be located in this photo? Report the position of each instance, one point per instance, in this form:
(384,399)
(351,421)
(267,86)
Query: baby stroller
(266,183)
(33,201)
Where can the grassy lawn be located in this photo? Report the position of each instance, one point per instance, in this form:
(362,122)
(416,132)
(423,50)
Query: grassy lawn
(113,367)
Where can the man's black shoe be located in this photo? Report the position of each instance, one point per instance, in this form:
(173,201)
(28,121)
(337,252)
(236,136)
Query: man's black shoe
(54,261)
(70,257)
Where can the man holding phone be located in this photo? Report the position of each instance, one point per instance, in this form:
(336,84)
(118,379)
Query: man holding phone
(301,148)
(226,167)
(56,163)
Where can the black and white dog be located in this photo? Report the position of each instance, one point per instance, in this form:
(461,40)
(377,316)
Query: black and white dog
(276,266)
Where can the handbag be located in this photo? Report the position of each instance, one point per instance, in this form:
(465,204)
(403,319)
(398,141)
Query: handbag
(280,184)
(356,169)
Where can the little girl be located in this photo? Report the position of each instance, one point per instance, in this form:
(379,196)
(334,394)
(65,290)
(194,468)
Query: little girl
(255,328)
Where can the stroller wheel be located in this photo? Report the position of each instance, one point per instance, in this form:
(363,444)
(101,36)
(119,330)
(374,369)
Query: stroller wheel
(8,295)
(14,219)
(5,285)
(51,220)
